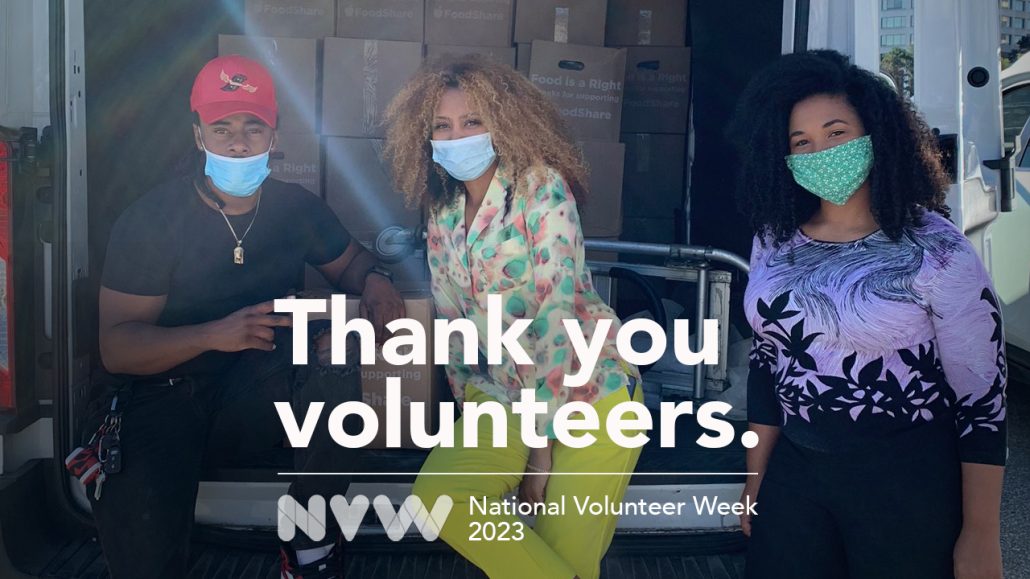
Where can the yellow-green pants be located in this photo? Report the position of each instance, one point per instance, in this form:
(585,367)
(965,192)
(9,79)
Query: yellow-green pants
(564,545)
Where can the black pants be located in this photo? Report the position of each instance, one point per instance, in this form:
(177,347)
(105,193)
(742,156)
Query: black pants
(171,432)
(879,513)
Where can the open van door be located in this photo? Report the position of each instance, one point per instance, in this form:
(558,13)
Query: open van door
(958,89)
(989,197)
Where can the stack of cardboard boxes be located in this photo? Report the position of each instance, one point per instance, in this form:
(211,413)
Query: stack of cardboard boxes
(655,114)
(561,48)
(617,70)
(628,101)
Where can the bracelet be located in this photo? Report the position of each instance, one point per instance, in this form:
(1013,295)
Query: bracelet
(534,468)
(379,270)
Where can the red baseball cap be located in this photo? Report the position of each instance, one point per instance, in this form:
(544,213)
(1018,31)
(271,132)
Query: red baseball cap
(230,85)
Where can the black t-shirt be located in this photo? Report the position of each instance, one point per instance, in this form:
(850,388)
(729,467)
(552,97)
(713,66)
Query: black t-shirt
(170,242)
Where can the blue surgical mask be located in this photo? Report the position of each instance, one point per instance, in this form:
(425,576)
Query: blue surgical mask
(239,177)
(465,159)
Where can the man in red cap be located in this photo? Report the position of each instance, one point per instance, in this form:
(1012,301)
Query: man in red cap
(195,355)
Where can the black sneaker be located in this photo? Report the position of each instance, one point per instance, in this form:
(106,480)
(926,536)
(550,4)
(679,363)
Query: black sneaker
(328,567)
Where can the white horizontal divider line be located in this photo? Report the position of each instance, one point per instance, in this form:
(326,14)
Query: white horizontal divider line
(516,473)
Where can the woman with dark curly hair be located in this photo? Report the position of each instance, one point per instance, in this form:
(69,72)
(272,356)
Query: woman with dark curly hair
(487,154)
(877,382)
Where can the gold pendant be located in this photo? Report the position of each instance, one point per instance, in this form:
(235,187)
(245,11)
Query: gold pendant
(237,255)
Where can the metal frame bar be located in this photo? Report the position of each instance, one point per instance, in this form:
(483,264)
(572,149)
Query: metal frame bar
(671,251)
(689,263)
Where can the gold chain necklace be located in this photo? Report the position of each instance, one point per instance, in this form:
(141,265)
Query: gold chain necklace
(237,252)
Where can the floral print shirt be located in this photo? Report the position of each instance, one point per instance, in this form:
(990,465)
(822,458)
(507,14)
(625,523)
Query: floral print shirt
(532,255)
(860,340)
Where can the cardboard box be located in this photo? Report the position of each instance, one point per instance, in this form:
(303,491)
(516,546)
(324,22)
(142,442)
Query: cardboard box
(293,63)
(294,18)
(646,23)
(657,96)
(585,83)
(573,21)
(504,54)
(602,214)
(523,52)
(653,177)
(359,78)
(381,19)
(359,188)
(469,22)
(298,159)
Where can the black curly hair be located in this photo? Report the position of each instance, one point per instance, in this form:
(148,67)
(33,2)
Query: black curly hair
(907,177)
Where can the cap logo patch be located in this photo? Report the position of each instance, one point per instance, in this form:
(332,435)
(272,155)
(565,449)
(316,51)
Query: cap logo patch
(237,81)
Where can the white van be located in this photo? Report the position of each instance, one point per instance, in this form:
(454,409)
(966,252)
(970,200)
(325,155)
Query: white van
(102,88)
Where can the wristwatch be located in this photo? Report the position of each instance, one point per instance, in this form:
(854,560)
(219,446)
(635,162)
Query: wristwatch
(378,269)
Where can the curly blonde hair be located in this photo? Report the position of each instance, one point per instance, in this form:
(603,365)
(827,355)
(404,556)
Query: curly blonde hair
(527,132)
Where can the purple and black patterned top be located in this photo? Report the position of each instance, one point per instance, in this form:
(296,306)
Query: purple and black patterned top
(861,340)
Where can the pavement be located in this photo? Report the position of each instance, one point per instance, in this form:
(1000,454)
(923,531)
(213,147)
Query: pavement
(1015,498)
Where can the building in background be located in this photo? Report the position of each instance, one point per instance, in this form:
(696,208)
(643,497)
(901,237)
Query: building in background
(1015,24)
(896,25)
(897,28)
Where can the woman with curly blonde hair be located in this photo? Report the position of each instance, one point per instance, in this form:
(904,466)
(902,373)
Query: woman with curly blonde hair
(489,157)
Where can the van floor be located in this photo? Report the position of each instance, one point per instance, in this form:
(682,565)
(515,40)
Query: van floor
(627,558)
(233,554)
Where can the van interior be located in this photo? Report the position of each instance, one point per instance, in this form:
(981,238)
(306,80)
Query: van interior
(140,59)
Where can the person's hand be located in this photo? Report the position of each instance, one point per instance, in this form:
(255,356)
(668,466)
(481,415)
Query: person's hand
(533,487)
(380,304)
(252,327)
(977,553)
(750,492)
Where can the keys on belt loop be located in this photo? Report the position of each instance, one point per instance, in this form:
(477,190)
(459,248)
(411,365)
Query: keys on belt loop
(109,450)
(98,484)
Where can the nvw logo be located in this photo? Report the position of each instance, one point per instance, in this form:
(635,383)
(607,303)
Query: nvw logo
(312,520)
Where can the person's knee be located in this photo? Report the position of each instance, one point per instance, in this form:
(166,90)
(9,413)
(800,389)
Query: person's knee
(331,383)
(322,348)
(428,489)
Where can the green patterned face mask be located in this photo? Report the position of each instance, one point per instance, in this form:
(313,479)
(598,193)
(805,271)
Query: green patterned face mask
(834,174)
